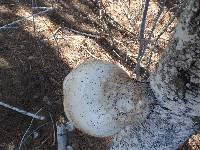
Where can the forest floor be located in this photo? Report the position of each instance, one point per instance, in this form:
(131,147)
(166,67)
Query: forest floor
(38,52)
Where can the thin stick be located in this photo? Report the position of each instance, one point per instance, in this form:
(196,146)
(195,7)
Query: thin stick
(91,54)
(43,142)
(29,135)
(142,40)
(22,140)
(33,18)
(132,19)
(13,24)
(170,22)
(54,132)
(156,20)
(82,33)
(61,137)
(165,27)
(35,116)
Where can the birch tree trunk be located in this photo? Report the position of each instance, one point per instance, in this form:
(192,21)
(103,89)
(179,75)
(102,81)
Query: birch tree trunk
(175,114)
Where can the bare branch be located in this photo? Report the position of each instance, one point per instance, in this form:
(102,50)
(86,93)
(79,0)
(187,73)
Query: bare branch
(61,136)
(82,33)
(14,23)
(142,40)
(35,116)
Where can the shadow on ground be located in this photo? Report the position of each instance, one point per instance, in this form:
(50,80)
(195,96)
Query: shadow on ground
(31,77)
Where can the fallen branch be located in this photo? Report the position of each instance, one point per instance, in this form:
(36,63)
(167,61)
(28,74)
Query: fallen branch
(83,33)
(33,115)
(14,23)
(61,136)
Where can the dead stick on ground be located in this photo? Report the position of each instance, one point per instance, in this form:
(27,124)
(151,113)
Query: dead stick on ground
(14,23)
(53,125)
(82,33)
(61,136)
(35,116)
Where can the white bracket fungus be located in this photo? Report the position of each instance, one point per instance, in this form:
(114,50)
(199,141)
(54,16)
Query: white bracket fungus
(100,98)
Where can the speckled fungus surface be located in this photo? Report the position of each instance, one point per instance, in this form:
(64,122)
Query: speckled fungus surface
(100,98)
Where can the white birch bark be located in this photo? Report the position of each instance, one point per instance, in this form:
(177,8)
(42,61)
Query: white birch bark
(176,84)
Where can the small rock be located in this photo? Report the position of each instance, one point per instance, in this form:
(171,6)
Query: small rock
(69,148)
(31,57)
(188,85)
(35,135)
(4,64)
(11,146)
(22,46)
(35,96)
(46,100)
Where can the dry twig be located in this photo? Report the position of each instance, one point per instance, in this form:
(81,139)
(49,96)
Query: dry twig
(22,140)
(61,136)
(34,116)
(14,23)
(142,40)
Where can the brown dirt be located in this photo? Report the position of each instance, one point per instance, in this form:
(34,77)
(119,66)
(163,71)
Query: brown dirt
(35,58)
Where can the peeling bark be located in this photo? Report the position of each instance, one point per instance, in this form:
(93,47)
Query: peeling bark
(176,85)
(177,77)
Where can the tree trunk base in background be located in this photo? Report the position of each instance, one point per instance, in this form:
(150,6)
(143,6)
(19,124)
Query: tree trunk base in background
(176,84)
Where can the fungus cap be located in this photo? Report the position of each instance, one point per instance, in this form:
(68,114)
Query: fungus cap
(95,100)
